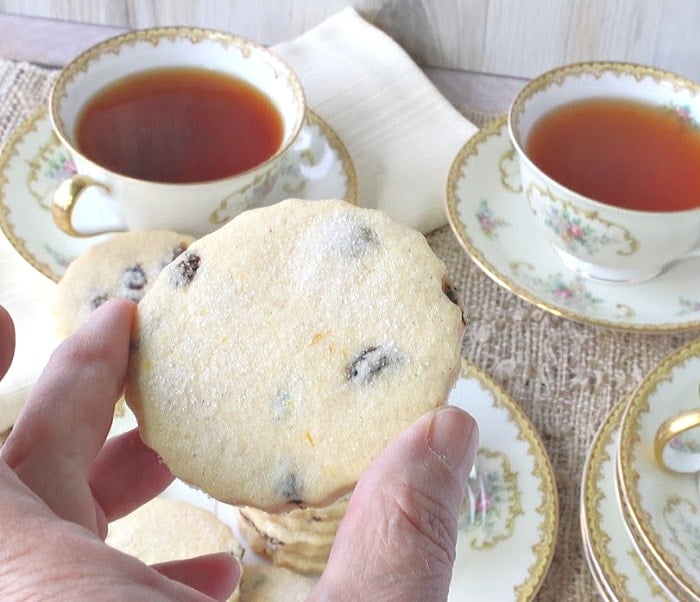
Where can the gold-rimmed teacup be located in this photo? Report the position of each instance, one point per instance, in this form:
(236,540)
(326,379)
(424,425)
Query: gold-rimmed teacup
(677,442)
(592,237)
(98,199)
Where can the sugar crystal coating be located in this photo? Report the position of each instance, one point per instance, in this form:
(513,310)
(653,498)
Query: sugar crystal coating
(281,353)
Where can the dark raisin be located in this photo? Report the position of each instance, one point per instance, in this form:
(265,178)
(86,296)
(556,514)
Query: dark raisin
(366,366)
(451,294)
(183,271)
(290,488)
(134,277)
(98,300)
(174,254)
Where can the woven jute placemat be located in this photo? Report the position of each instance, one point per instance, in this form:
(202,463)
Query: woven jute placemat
(565,375)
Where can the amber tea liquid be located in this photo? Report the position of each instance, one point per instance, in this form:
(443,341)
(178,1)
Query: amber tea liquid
(179,125)
(622,153)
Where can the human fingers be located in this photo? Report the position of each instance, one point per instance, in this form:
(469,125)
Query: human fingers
(7,341)
(68,414)
(215,575)
(126,474)
(397,539)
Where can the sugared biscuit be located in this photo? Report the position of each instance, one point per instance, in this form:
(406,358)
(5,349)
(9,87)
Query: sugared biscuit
(280,354)
(123,265)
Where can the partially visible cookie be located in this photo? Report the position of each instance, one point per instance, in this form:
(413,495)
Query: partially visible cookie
(165,529)
(124,265)
(269,583)
(300,539)
(276,357)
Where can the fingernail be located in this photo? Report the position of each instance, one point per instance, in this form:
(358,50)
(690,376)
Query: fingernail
(453,436)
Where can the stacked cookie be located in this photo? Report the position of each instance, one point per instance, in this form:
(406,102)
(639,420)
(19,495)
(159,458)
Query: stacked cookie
(300,539)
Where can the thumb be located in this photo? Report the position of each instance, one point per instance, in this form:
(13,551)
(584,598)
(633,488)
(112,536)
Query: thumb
(397,539)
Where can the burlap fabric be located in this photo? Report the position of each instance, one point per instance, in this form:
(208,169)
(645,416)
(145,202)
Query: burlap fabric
(566,375)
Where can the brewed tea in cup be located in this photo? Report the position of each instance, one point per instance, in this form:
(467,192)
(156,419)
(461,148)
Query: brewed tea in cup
(166,126)
(609,158)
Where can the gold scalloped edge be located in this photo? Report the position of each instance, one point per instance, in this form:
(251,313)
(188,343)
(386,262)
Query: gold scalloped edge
(597,69)
(591,496)
(10,151)
(645,553)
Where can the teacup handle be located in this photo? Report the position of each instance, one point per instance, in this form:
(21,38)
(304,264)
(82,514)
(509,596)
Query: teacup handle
(682,456)
(64,200)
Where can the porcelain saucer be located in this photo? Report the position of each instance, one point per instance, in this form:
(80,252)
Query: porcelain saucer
(33,163)
(510,517)
(489,216)
(618,571)
(662,508)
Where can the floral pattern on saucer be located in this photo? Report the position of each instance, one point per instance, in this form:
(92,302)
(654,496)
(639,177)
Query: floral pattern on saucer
(616,567)
(510,514)
(663,508)
(492,501)
(489,214)
(33,163)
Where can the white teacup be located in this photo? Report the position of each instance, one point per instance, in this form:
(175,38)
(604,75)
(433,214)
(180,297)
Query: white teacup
(594,238)
(98,199)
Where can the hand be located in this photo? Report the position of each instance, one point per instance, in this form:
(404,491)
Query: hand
(60,485)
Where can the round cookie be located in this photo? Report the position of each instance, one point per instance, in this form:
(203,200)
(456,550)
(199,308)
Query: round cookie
(278,356)
(123,265)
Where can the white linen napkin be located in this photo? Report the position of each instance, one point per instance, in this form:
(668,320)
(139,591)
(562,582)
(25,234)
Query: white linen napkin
(401,132)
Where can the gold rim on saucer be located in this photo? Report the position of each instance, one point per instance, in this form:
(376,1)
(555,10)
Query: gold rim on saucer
(605,565)
(32,158)
(645,552)
(519,276)
(630,448)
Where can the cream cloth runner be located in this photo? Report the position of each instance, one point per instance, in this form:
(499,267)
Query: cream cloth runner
(565,375)
(400,131)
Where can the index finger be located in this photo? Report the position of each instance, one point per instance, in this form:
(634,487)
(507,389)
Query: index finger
(67,417)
